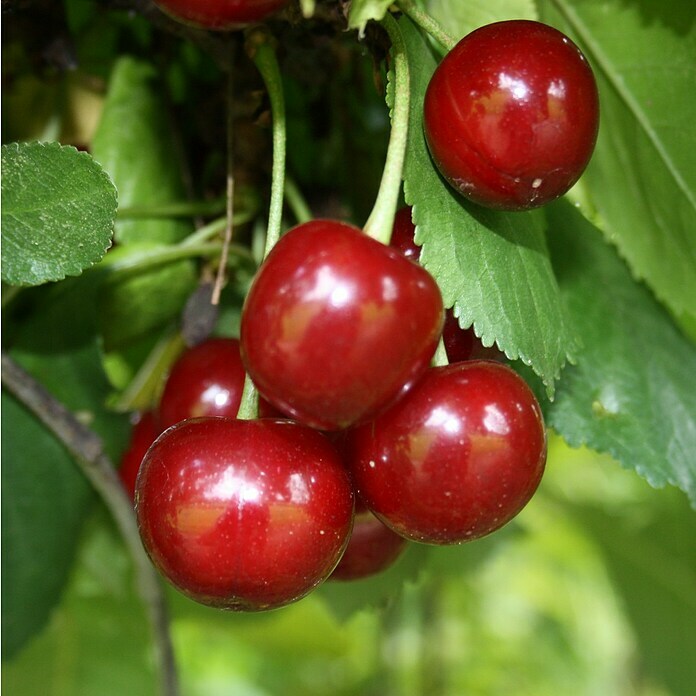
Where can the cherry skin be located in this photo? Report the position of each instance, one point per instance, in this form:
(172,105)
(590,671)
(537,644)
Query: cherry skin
(511,115)
(457,458)
(206,380)
(143,434)
(336,326)
(219,14)
(460,344)
(245,515)
(372,548)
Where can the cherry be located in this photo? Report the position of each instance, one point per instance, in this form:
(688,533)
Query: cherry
(511,115)
(219,14)
(244,515)
(336,326)
(206,380)
(143,434)
(460,344)
(458,457)
(372,548)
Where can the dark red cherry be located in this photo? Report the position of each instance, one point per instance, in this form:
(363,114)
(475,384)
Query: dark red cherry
(220,14)
(336,326)
(143,434)
(206,380)
(459,456)
(511,115)
(244,515)
(372,548)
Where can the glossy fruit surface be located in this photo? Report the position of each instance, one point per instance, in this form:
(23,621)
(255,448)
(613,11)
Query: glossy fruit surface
(372,548)
(220,14)
(459,456)
(143,434)
(206,380)
(336,326)
(244,515)
(460,344)
(511,115)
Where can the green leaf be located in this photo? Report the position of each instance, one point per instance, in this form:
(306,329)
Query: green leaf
(44,498)
(459,17)
(362,11)
(651,557)
(96,641)
(130,305)
(642,178)
(492,267)
(134,143)
(58,210)
(633,391)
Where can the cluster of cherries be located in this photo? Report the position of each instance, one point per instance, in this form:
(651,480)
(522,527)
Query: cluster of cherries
(361,445)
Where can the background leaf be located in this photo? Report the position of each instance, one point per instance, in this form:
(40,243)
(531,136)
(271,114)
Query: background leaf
(135,143)
(633,391)
(493,267)
(642,177)
(459,17)
(97,641)
(45,496)
(652,560)
(58,210)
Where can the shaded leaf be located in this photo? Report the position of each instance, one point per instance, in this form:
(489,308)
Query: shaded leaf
(97,640)
(134,142)
(492,267)
(633,391)
(459,17)
(44,498)
(642,177)
(58,211)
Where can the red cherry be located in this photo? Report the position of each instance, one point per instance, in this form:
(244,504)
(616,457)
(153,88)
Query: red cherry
(143,434)
(460,344)
(336,326)
(511,115)
(244,515)
(206,380)
(372,548)
(219,14)
(459,456)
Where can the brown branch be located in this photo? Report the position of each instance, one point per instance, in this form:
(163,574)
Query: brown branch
(86,448)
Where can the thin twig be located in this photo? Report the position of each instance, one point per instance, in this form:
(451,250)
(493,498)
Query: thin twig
(87,449)
(222,268)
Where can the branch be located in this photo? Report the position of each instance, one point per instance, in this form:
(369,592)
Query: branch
(87,449)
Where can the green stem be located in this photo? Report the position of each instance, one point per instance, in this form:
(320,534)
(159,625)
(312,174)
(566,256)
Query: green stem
(264,57)
(172,210)
(296,201)
(427,23)
(381,220)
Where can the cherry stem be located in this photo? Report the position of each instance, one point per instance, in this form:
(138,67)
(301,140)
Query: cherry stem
(427,23)
(86,448)
(222,266)
(263,54)
(380,223)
